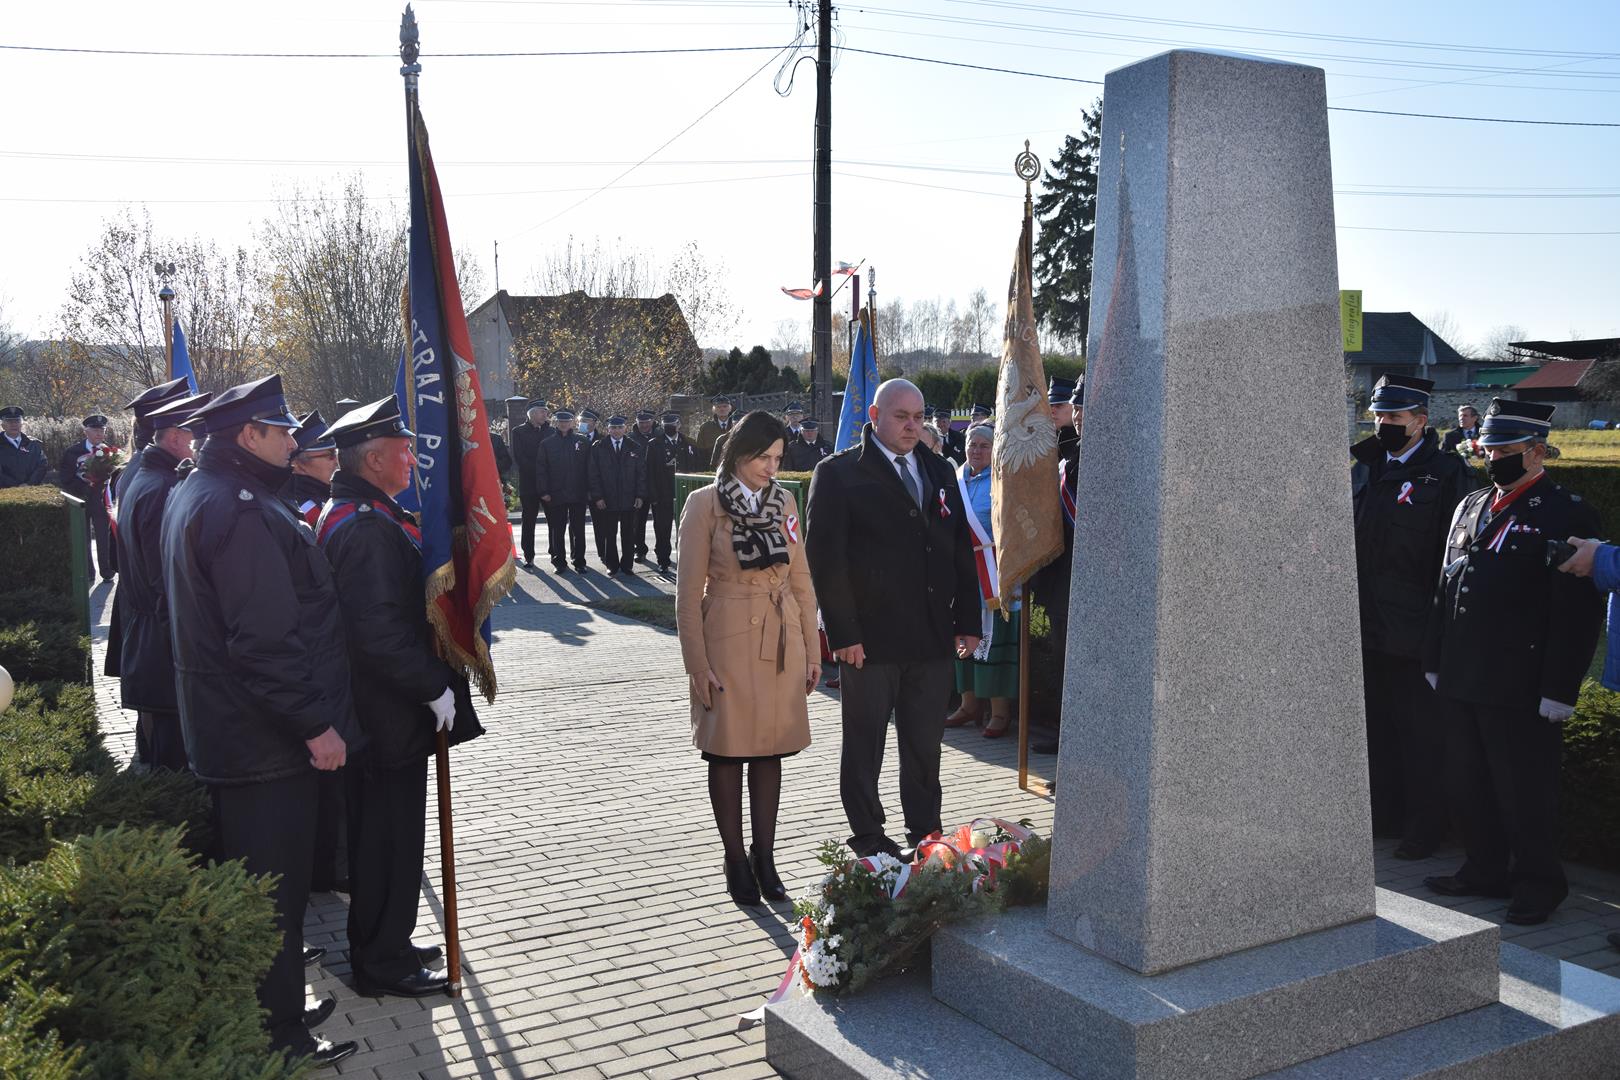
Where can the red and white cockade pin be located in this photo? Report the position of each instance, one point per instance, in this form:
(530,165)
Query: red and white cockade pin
(792,526)
(1406,494)
(944,509)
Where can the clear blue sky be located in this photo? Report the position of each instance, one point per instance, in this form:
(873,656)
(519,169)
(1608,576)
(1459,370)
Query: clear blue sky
(923,187)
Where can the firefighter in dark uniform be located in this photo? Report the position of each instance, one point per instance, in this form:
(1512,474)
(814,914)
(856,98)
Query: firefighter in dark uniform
(617,482)
(1405,490)
(145,652)
(1051,582)
(1060,395)
(1508,643)
(668,453)
(644,432)
(793,418)
(526,440)
(713,428)
(261,668)
(806,449)
(562,480)
(403,694)
(589,418)
(313,464)
(72,478)
(22,459)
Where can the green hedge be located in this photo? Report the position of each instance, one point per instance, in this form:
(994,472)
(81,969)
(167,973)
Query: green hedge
(1590,788)
(34,535)
(46,645)
(1597,484)
(150,959)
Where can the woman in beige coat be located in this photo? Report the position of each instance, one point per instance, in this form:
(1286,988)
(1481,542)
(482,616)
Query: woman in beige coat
(746,613)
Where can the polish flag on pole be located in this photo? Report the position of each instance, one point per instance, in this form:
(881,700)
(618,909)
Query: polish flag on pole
(805,294)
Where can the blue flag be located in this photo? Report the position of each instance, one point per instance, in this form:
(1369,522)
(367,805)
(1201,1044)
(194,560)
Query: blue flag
(861,388)
(181,364)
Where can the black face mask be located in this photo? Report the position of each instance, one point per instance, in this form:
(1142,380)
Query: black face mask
(1392,437)
(1506,470)
(672,430)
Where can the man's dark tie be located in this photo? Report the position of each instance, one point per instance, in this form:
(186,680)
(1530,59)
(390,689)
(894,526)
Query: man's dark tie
(911,481)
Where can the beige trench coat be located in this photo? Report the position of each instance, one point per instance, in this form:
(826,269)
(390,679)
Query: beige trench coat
(755,628)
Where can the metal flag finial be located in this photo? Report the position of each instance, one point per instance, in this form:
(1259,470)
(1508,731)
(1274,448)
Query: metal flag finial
(1027,165)
(409,43)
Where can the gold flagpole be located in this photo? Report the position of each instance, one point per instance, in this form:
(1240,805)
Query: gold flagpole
(1027,166)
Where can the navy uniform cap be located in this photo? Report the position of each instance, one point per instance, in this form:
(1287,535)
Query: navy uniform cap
(589,414)
(260,401)
(537,403)
(810,422)
(645,414)
(671,418)
(1059,390)
(794,406)
(563,414)
(929,412)
(1396,393)
(379,420)
(980,410)
(161,394)
(1509,421)
(346,403)
(312,433)
(177,413)
(1078,398)
(11,412)
(615,419)
(95,420)
(719,399)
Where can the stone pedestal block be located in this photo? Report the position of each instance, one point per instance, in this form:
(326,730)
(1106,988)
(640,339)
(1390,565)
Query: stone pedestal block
(1213,763)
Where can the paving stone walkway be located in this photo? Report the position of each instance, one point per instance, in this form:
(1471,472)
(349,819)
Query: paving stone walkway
(599,940)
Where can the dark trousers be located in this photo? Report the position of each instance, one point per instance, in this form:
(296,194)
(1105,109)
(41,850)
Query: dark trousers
(270,826)
(158,742)
(638,528)
(1406,740)
(530,502)
(916,695)
(599,526)
(663,517)
(618,538)
(387,830)
(1502,778)
(566,519)
(331,864)
(102,539)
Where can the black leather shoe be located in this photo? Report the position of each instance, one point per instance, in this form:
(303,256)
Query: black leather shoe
(315,1017)
(770,882)
(884,846)
(740,882)
(427,954)
(1452,885)
(328,1054)
(1527,916)
(313,955)
(1414,849)
(419,983)
(1044,746)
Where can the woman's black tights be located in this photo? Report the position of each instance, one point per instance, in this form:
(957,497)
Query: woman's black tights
(764,793)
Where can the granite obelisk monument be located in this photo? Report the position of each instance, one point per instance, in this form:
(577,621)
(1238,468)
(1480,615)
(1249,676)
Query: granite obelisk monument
(1212,911)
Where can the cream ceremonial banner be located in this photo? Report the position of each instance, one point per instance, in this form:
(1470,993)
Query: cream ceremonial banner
(1024,468)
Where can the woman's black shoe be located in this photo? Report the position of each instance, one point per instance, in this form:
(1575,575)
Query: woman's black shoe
(770,883)
(740,882)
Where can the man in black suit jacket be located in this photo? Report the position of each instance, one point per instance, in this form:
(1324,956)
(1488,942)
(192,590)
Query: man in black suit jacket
(617,479)
(892,560)
(526,440)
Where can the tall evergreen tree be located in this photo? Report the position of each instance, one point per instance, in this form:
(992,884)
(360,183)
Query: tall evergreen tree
(1067,209)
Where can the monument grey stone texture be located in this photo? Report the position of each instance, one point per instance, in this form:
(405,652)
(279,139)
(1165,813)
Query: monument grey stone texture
(1213,731)
(1212,910)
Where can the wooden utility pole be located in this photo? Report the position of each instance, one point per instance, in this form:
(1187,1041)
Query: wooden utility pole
(821,314)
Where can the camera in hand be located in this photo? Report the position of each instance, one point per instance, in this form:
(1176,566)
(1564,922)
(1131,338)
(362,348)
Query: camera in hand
(1559,552)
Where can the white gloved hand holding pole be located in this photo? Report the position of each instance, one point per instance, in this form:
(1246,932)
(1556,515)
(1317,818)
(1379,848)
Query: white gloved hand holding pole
(1556,711)
(444,710)
(1433,678)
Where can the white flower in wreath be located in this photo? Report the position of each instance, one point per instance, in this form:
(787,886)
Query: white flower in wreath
(827,918)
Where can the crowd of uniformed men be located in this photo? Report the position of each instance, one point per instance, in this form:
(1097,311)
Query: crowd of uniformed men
(269,618)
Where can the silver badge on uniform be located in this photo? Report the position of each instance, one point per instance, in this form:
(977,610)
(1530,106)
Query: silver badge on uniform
(245,495)
(1535,500)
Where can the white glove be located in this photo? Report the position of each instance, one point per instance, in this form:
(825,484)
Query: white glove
(1434,679)
(1556,711)
(444,710)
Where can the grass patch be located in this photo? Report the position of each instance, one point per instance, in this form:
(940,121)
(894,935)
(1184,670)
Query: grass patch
(657,610)
(1587,447)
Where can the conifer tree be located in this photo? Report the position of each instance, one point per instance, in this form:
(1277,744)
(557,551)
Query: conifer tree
(1067,209)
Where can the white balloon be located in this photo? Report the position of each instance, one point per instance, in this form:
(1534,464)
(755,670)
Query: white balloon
(6,689)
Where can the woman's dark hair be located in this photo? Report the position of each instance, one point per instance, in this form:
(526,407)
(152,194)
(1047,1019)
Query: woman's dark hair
(751,437)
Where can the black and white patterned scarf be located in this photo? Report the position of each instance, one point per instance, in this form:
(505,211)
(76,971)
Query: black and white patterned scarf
(759,538)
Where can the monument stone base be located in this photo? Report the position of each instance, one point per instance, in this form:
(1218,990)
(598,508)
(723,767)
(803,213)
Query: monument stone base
(1418,991)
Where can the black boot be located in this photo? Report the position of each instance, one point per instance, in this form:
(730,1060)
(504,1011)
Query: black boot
(770,883)
(740,882)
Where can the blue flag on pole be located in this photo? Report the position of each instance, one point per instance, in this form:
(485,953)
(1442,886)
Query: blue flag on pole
(182,360)
(861,388)
(407,499)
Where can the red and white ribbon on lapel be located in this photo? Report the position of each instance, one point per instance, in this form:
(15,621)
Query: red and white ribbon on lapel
(1406,494)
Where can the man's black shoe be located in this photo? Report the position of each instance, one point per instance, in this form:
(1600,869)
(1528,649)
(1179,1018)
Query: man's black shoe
(1527,916)
(528,564)
(315,1017)
(884,846)
(427,954)
(1414,849)
(1045,746)
(580,568)
(559,568)
(313,954)
(419,983)
(1452,885)
(328,1054)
